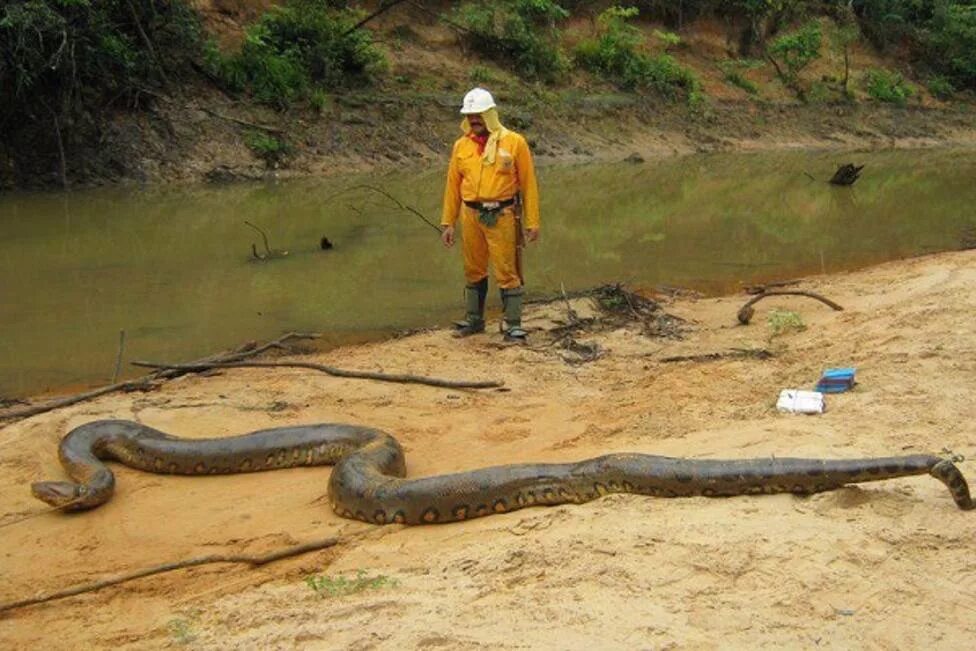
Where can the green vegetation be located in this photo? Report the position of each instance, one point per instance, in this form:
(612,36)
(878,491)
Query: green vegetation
(271,149)
(784,321)
(67,67)
(181,631)
(326,586)
(887,86)
(793,52)
(297,48)
(63,63)
(732,71)
(616,53)
(520,33)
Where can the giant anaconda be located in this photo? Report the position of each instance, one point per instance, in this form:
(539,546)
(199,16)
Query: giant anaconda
(368,479)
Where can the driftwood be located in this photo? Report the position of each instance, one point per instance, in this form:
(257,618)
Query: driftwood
(846,174)
(254,561)
(145,382)
(746,311)
(330,370)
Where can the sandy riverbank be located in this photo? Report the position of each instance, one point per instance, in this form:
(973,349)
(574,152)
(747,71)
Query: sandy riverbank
(885,565)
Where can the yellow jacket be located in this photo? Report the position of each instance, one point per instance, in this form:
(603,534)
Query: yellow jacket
(470,178)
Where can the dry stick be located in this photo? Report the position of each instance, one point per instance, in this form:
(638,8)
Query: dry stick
(384,7)
(118,358)
(745,312)
(761,353)
(178,565)
(142,382)
(230,118)
(331,370)
(389,196)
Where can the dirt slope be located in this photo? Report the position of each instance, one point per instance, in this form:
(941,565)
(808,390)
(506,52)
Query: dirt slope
(885,565)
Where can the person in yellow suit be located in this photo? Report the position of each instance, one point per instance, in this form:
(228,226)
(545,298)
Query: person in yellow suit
(490,176)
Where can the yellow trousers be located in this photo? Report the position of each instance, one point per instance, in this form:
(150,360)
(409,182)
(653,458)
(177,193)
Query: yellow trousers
(481,244)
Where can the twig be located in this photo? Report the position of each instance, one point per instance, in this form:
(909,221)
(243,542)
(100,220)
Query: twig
(178,565)
(570,312)
(384,6)
(761,353)
(143,382)
(245,123)
(746,311)
(388,196)
(330,370)
(148,43)
(264,236)
(118,358)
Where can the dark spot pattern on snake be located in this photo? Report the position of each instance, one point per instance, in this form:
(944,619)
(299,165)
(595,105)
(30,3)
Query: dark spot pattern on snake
(369,476)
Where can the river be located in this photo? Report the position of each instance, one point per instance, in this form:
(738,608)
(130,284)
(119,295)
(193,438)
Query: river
(173,267)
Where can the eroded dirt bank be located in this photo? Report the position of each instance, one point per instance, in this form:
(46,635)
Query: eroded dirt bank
(885,565)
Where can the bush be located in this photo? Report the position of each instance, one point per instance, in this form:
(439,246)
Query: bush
(796,51)
(950,43)
(519,33)
(887,86)
(732,74)
(271,149)
(941,87)
(616,55)
(297,47)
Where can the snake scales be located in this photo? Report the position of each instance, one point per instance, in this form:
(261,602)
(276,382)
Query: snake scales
(368,482)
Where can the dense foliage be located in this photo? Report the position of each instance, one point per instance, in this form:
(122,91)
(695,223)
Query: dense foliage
(522,33)
(64,61)
(617,53)
(296,49)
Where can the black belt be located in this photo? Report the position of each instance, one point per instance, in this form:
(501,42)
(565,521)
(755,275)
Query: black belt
(491,206)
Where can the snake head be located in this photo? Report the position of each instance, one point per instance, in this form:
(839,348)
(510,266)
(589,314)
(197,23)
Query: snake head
(58,493)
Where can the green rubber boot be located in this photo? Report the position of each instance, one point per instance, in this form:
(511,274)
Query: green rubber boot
(474,300)
(512,305)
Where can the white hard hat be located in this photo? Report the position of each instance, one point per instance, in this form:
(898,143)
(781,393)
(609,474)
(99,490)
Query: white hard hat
(478,100)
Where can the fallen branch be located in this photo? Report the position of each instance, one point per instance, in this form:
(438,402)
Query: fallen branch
(746,311)
(178,565)
(144,382)
(330,370)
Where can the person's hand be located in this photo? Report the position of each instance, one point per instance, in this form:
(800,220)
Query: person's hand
(447,236)
(532,234)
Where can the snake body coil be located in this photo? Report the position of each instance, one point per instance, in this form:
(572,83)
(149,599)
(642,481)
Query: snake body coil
(368,482)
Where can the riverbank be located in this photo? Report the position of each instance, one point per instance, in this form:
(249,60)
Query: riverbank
(198,130)
(886,564)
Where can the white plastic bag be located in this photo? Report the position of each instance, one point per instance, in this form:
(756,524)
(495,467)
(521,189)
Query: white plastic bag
(795,401)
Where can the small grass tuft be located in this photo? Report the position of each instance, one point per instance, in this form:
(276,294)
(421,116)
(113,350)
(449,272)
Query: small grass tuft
(327,586)
(785,321)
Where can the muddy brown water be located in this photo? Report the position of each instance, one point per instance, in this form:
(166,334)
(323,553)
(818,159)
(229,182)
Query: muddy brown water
(173,267)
